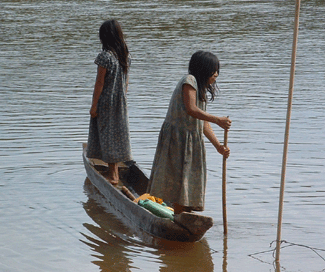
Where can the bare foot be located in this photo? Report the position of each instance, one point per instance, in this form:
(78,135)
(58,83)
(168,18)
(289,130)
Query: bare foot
(179,208)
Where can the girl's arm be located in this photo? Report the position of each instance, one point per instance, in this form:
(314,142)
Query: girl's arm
(101,72)
(208,132)
(189,98)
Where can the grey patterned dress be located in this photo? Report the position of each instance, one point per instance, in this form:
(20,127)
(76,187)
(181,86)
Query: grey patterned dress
(109,137)
(178,173)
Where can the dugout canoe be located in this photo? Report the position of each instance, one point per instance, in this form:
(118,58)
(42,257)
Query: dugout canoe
(186,227)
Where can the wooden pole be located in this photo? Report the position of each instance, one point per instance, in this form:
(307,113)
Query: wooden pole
(224,183)
(287,129)
(225,254)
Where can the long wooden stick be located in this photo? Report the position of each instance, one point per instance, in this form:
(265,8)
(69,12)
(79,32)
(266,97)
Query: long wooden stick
(286,135)
(224,185)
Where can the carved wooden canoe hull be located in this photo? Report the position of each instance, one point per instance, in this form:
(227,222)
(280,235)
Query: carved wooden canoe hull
(188,227)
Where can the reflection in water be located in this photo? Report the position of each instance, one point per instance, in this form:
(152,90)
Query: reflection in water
(277,267)
(187,257)
(115,243)
(225,252)
(112,251)
(114,254)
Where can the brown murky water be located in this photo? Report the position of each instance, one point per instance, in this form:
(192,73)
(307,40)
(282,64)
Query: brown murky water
(52,220)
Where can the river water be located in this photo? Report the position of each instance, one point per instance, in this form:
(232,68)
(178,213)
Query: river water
(51,218)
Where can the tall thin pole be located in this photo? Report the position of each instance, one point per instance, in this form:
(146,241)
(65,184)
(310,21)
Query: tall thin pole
(287,129)
(224,185)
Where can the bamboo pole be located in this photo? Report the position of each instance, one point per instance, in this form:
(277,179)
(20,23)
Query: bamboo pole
(287,129)
(224,185)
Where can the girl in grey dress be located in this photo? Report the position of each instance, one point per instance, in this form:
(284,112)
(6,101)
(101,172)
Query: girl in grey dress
(109,137)
(178,173)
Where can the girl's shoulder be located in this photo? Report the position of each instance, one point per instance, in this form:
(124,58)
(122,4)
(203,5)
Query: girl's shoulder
(190,80)
(106,59)
(105,54)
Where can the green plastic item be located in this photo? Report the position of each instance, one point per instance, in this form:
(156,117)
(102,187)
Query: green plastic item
(157,209)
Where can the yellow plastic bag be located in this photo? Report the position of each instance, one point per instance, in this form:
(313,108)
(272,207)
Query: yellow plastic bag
(152,198)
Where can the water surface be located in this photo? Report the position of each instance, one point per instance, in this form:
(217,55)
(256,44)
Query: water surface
(51,220)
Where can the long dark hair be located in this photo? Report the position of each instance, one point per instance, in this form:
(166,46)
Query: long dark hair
(112,39)
(202,66)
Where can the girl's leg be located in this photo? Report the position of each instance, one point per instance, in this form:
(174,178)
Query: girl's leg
(113,175)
